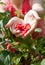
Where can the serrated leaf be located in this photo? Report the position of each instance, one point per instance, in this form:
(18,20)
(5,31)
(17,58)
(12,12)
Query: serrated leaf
(43,62)
(7,60)
(17,59)
(1,16)
(25,55)
(1,57)
(5,21)
(38,63)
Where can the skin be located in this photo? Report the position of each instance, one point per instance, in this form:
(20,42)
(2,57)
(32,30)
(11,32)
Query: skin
(37,7)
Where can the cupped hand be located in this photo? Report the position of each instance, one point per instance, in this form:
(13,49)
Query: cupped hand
(12,23)
(30,18)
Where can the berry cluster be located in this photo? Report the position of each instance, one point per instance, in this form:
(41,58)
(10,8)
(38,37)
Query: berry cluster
(22,28)
(10,48)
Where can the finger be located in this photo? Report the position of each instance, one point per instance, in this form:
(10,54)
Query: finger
(36,15)
(31,15)
(15,32)
(11,22)
(19,35)
(26,34)
(31,30)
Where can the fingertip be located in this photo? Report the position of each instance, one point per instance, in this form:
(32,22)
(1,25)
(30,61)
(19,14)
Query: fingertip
(38,18)
(7,26)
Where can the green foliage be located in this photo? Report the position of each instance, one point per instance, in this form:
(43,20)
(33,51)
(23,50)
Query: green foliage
(5,58)
(17,59)
(28,51)
(43,62)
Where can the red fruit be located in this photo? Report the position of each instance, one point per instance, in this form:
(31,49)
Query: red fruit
(27,26)
(9,46)
(12,50)
(23,32)
(23,28)
(18,26)
(6,44)
(11,10)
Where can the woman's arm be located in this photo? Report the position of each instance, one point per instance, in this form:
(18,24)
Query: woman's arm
(37,5)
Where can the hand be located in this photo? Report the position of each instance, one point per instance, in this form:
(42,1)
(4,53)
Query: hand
(11,24)
(32,18)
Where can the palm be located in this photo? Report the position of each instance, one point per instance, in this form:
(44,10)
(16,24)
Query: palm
(31,17)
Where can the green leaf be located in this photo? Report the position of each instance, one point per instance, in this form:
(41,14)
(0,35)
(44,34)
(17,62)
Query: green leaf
(25,55)
(5,20)
(7,60)
(38,63)
(5,17)
(2,3)
(17,59)
(1,63)
(43,62)
(1,57)
(1,16)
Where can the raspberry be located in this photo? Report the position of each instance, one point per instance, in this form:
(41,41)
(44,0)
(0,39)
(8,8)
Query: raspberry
(12,50)
(9,46)
(23,28)
(6,44)
(23,32)
(27,26)
(18,26)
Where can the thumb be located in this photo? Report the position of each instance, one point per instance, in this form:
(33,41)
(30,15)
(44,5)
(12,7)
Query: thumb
(36,15)
(11,22)
(38,18)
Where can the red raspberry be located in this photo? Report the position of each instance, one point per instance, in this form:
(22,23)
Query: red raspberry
(6,44)
(27,26)
(23,28)
(9,46)
(18,26)
(23,32)
(12,50)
